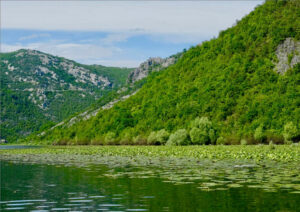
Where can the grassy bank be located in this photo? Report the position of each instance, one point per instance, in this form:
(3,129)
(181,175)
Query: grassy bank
(283,153)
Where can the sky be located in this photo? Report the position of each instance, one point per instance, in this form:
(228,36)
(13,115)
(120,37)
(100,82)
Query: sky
(115,33)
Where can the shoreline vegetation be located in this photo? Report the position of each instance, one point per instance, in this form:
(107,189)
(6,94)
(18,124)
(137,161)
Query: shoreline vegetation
(200,131)
(254,153)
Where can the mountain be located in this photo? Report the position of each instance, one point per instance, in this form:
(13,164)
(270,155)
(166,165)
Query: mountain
(135,81)
(41,89)
(244,84)
(151,65)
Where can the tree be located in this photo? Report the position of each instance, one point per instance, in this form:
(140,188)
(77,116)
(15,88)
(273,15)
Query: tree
(259,134)
(197,136)
(162,136)
(180,138)
(202,131)
(110,138)
(289,132)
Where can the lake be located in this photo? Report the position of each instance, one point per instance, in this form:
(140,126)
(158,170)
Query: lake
(40,187)
(129,179)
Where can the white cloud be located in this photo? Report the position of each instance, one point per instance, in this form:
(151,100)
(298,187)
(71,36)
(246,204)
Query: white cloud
(175,22)
(84,53)
(33,36)
(119,63)
(196,18)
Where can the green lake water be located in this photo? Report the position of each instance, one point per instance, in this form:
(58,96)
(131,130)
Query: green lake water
(42,187)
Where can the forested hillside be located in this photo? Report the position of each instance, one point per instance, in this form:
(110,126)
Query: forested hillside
(243,85)
(38,89)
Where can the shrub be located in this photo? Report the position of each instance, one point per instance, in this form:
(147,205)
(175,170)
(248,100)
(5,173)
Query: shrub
(126,139)
(83,141)
(221,141)
(289,132)
(244,142)
(288,142)
(162,136)
(139,140)
(96,141)
(259,134)
(180,137)
(274,137)
(110,138)
(152,138)
(63,141)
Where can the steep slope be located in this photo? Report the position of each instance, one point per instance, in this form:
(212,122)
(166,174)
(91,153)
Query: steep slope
(134,82)
(232,80)
(38,88)
(151,65)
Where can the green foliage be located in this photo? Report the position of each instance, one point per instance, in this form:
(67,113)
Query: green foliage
(220,141)
(202,131)
(196,136)
(259,134)
(271,145)
(152,140)
(244,142)
(230,79)
(178,138)
(110,138)
(43,98)
(158,138)
(139,140)
(162,136)
(290,131)
(237,153)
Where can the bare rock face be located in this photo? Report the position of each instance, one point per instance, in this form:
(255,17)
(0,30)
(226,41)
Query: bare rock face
(152,64)
(288,55)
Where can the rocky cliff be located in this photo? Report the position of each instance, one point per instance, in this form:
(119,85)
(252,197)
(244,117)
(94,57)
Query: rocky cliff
(150,65)
(288,55)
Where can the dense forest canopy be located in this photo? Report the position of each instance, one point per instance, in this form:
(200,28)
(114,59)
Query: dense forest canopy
(230,83)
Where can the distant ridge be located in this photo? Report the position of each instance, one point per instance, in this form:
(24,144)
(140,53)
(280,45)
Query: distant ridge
(41,89)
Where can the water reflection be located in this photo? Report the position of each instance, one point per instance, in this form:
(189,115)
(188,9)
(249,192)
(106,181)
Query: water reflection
(35,187)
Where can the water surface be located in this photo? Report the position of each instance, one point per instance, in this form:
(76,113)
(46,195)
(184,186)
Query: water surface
(41,187)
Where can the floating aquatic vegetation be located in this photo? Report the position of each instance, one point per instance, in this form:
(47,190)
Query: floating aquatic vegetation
(211,167)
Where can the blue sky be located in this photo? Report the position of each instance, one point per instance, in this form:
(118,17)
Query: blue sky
(123,33)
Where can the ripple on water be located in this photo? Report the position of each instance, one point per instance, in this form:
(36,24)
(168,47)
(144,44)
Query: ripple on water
(75,198)
(39,211)
(81,200)
(94,197)
(110,205)
(19,204)
(15,208)
(32,200)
